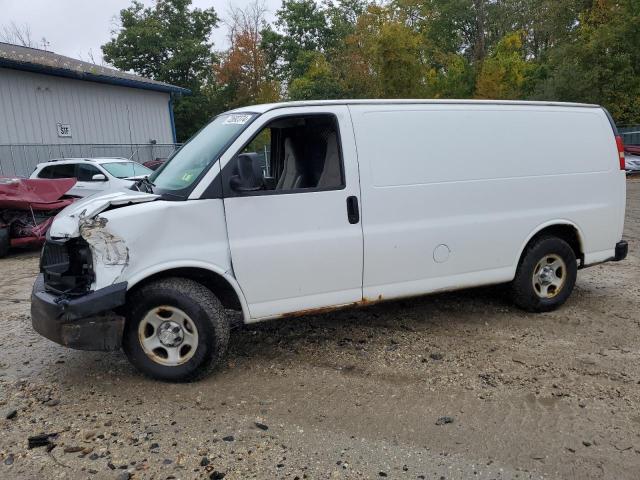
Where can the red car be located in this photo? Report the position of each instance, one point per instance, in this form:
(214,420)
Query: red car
(27,209)
(155,164)
(632,149)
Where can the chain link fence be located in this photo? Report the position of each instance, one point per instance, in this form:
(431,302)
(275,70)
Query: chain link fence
(19,160)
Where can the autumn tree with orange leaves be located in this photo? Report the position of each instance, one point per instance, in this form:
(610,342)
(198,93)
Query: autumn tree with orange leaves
(242,70)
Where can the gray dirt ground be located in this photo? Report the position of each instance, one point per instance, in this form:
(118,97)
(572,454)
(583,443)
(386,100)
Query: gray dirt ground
(353,394)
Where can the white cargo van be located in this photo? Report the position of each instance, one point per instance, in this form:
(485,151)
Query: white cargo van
(284,209)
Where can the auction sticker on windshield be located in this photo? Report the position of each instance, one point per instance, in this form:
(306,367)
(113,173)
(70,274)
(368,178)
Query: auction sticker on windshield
(236,119)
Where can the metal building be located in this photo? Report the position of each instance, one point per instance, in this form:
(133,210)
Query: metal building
(52,106)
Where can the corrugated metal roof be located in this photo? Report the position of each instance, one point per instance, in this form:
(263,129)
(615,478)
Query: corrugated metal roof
(42,61)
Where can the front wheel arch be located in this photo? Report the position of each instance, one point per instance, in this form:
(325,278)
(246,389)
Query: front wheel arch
(222,286)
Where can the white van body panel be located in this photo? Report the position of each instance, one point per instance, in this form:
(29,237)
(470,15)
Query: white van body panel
(165,235)
(296,251)
(476,182)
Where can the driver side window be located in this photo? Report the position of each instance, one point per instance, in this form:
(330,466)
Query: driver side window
(296,153)
(85,172)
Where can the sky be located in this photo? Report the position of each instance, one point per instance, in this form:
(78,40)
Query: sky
(76,27)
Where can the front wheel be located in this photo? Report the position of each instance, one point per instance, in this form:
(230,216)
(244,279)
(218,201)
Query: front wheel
(546,275)
(176,330)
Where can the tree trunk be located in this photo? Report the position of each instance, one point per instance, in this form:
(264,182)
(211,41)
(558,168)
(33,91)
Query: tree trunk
(479,47)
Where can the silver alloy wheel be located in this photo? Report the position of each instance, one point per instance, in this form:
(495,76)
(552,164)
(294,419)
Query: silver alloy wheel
(549,276)
(168,336)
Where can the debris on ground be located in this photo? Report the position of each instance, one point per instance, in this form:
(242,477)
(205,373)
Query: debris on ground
(41,440)
(444,420)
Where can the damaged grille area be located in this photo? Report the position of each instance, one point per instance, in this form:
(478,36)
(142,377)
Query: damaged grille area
(67,267)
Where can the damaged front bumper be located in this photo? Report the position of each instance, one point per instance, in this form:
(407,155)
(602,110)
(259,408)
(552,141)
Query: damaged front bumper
(85,322)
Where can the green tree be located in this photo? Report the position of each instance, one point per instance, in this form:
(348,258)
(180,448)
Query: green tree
(301,26)
(451,26)
(306,34)
(446,29)
(453,77)
(342,17)
(385,57)
(397,57)
(601,64)
(169,42)
(568,50)
(503,75)
(318,81)
(544,23)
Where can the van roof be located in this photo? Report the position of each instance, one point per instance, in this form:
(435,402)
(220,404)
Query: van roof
(311,103)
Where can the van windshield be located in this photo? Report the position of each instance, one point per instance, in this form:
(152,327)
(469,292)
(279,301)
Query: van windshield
(187,165)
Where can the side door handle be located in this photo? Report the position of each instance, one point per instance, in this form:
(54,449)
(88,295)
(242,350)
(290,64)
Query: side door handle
(353,212)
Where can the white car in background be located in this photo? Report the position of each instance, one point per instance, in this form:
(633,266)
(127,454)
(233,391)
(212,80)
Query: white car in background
(93,175)
(632,159)
(632,163)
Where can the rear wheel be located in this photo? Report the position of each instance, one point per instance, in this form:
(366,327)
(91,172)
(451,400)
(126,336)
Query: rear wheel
(546,275)
(176,330)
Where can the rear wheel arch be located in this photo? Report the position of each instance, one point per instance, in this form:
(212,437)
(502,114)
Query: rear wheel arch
(565,230)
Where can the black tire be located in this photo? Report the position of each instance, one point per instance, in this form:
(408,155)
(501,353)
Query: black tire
(523,291)
(204,310)
(5,243)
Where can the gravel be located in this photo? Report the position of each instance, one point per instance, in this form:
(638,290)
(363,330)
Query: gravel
(363,387)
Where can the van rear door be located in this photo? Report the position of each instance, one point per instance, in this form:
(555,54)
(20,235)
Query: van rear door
(291,196)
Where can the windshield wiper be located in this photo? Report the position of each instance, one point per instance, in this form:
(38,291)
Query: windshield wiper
(172,195)
(144,185)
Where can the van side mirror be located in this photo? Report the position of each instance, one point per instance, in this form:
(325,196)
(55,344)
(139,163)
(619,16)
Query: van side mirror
(99,177)
(245,178)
